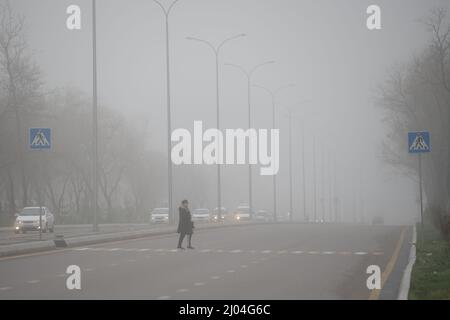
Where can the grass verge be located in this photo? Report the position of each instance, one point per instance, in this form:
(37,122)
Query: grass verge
(430,279)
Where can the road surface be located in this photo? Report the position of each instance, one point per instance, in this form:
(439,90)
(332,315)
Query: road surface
(273,261)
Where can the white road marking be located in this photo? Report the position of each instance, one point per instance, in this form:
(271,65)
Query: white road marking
(266,251)
(114,249)
(281,251)
(33,281)
(329,252)
(230,271)
(163,298)
(199,284)
(143,250)
(182,290)
(5,288)
(244,266)
(360,253)
(297,252)
(215,277)
(205,250)
(81,249)
(236,251)
(173,250)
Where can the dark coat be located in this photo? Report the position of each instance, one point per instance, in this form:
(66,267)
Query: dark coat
(185,224)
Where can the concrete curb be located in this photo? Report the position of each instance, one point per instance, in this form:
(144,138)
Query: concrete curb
(48,245)
(406,279)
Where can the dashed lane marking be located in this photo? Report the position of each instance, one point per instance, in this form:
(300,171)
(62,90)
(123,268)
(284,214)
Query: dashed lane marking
(199,284)
(182,290)
(33,281)
(5,288)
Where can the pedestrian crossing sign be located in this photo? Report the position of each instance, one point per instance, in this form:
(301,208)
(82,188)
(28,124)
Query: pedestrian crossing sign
(419,142)
(40,138)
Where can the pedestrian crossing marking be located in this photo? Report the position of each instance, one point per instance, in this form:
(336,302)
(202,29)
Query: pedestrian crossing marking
(253,251)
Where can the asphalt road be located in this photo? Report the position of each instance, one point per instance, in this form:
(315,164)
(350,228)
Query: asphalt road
(273,261)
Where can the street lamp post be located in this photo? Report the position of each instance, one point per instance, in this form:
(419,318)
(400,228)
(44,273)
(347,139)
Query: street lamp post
(169,115)
(303,173)
(291,207)
(273,95)
(315,179)
(290,166)
(216,51)
(94,116)
(249,75)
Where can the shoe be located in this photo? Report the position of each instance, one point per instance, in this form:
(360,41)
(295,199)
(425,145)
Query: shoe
(181,248)
(190,247)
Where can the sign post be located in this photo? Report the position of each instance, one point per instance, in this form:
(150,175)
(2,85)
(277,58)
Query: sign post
(40,139)
(418,143)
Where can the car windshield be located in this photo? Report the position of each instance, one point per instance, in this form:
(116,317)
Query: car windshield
(31,212)
(160,211)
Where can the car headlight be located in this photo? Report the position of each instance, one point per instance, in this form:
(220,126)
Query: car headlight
(238,218)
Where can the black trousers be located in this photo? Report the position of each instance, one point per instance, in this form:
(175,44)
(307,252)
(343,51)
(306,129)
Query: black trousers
(182,235)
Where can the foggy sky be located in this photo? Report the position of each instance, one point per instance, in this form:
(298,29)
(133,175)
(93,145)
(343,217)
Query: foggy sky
(323,47)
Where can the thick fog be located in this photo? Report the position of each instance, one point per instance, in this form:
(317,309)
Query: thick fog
(322,47)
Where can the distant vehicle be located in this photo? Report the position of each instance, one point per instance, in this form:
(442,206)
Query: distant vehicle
(218,218)
(378,220)
(201,215)
(283,217)
(28,220)
(242,213)
(159,215)
(262,215)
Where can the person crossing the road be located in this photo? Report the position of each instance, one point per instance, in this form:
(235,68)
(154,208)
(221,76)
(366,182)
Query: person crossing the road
(185,224)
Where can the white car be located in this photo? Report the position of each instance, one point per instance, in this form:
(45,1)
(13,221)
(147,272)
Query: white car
(262,215)
(28,219)
(242,213)
(201,215)
(159,215)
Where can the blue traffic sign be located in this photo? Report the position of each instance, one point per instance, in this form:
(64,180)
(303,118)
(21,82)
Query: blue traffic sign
(419,142)
(40,138)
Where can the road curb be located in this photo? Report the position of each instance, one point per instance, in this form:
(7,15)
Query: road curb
(48,245)
(406,279)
